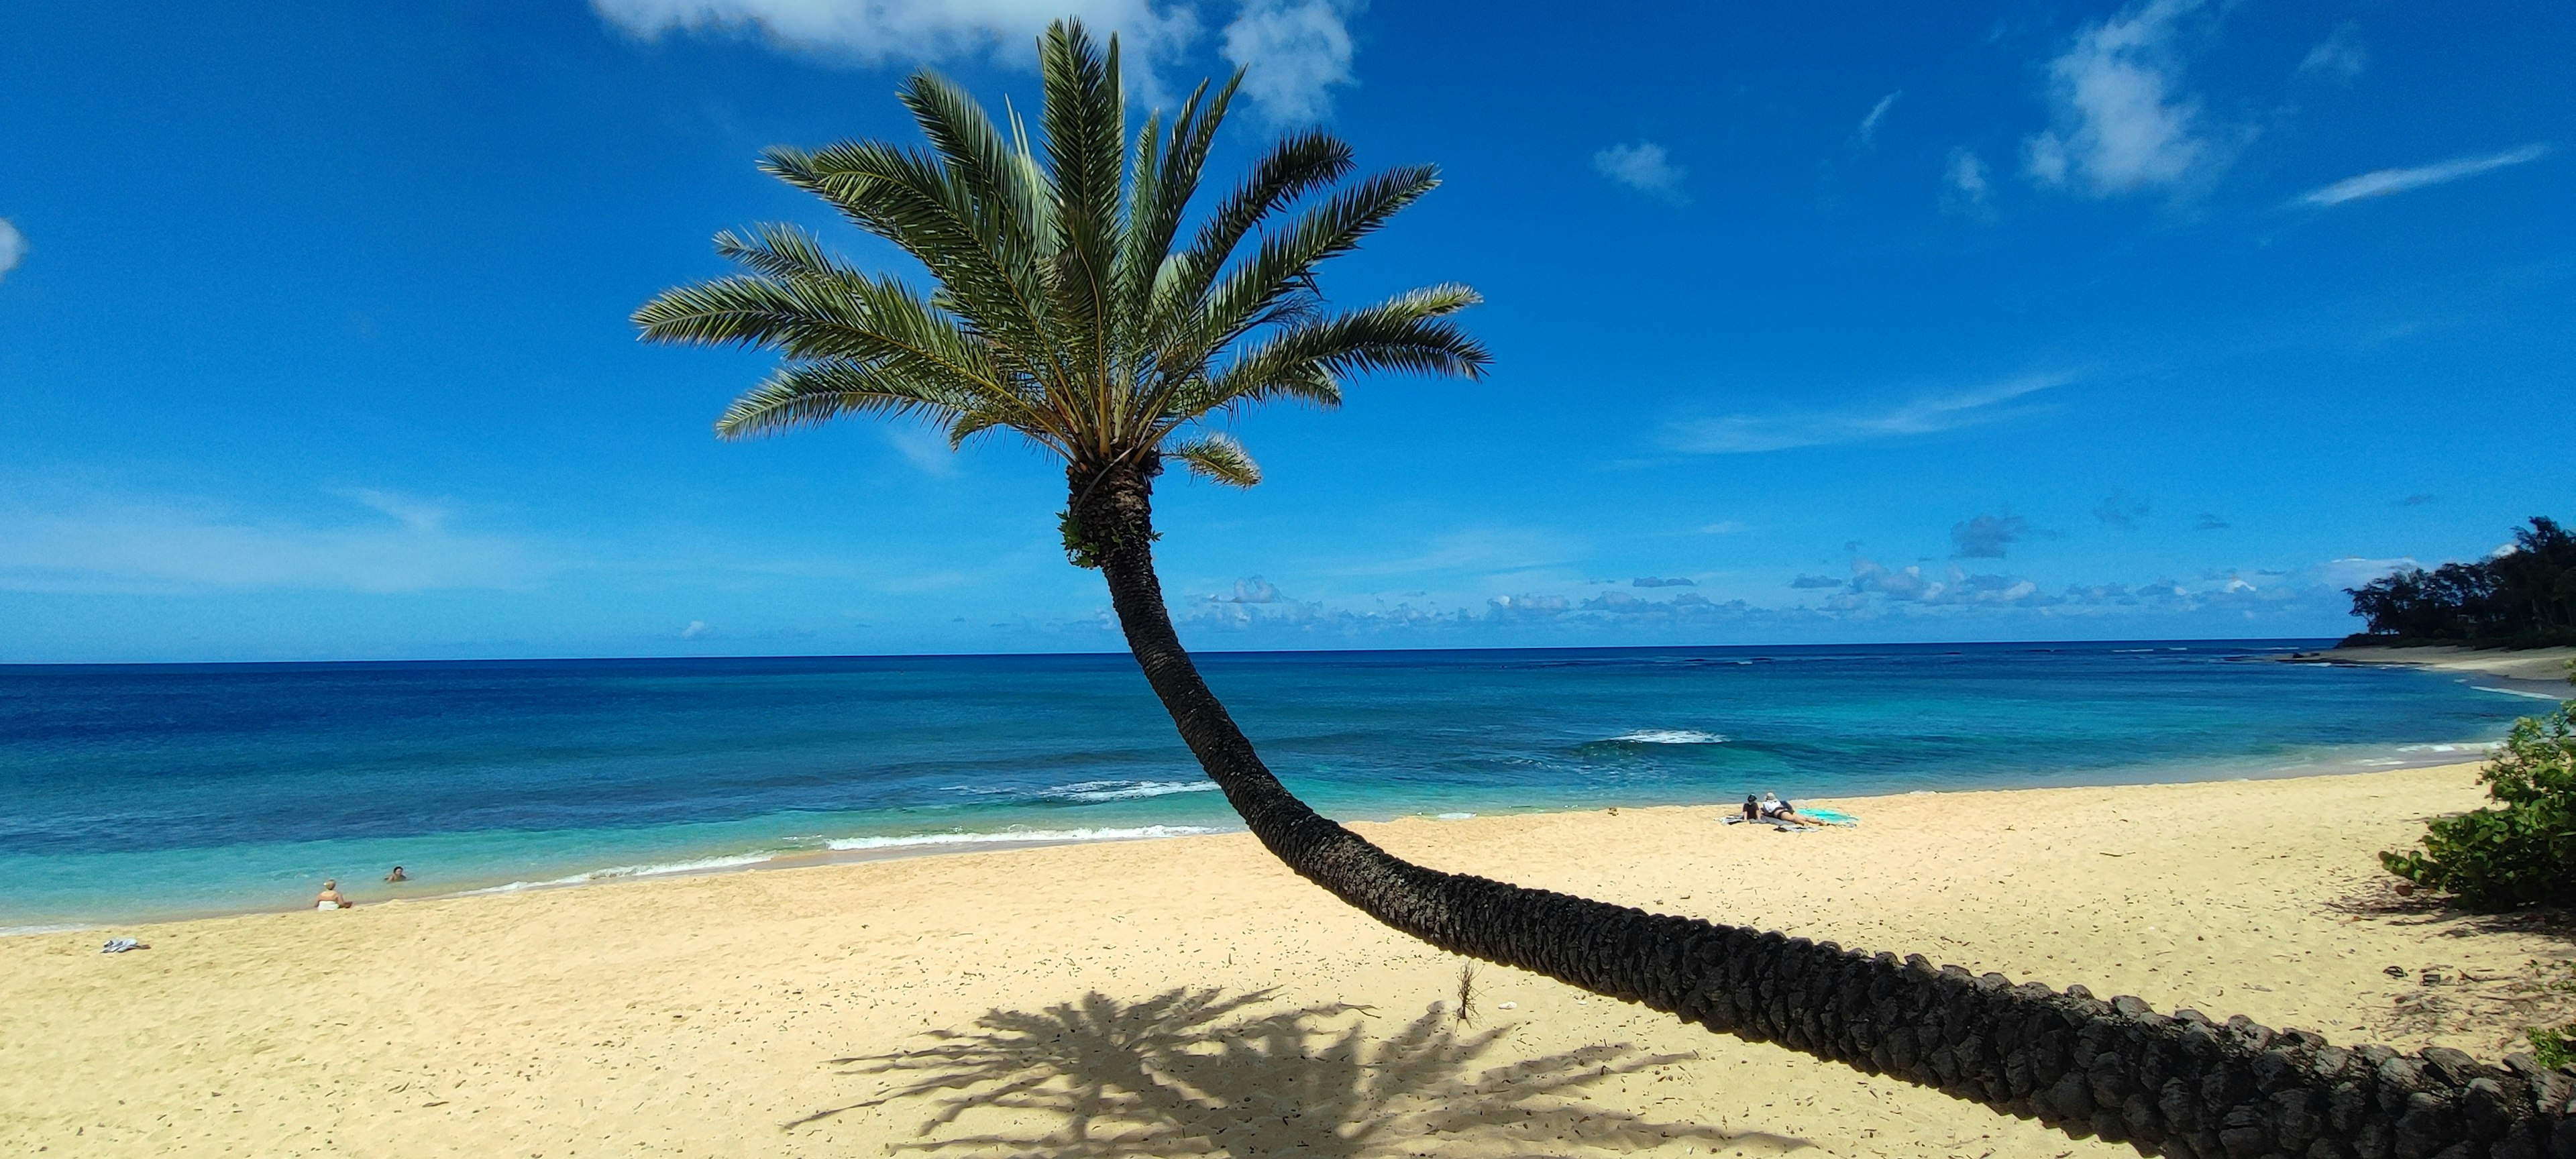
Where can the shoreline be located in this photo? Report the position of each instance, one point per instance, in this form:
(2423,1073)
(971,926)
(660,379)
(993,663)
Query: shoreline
(940,845)
(821,1010)
(2531,669)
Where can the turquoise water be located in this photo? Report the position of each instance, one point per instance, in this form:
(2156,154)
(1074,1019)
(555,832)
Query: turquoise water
(160,790)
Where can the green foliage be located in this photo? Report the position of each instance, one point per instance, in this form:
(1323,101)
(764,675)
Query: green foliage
(2521,851)
(1075,300)
(2554,1047)
(2524,597)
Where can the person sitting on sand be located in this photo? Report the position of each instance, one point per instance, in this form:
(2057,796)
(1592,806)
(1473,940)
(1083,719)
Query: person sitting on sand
(1752,808)
(396,875)
(330,898)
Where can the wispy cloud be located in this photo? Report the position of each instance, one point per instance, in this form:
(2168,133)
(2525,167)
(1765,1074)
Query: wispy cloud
(2120,120)
(1643,166)
(2120,511)
(13,246)
(1988,536)
(2382,182)
(1293,53)
(1964,186)
(160,545)
(923,448)
(2339,55)
(2210,522)
(1877,113)
(1741,434)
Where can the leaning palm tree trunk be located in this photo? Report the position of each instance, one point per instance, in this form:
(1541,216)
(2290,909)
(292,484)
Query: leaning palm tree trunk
(2178,1085)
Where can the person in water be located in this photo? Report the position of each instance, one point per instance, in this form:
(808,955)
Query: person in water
(330,898)
(397,875)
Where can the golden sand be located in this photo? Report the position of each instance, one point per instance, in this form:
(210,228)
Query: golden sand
(1189,996)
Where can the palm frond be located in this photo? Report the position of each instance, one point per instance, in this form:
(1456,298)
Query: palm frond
(809,393)
(1217,458)
(1294,167)
(1256,290)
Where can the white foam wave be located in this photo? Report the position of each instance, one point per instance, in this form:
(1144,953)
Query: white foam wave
(1453,816)
(620,872)
(2516,692)
(913,840)
(15,931)
(1669,736)
(1094,792)
(2475,746)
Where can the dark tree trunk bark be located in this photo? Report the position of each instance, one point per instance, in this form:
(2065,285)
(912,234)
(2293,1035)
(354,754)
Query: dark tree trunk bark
(2179,1085)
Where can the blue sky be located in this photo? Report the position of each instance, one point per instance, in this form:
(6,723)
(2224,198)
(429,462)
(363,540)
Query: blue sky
(1919,322)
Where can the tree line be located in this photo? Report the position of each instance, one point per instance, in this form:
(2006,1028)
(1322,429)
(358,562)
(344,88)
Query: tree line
(2522,597)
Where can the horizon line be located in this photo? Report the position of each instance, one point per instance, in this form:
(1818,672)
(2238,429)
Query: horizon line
(7,666)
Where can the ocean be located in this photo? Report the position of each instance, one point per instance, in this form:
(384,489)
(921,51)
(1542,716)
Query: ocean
(130,792)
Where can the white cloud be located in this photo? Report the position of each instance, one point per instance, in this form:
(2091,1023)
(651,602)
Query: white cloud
(2119,122)
(1292,52)
(13,246)
(159,545)
(906,31)
(697,630)
(1964,185)
(2382,182)
(1877,113)
(2340,55)
(1929,414)
(922,447)
(1643,166)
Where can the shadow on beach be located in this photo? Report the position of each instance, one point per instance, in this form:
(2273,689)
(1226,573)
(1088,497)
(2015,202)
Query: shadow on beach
(1201,1071)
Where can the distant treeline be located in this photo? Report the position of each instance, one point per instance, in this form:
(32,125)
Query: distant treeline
(2522,598)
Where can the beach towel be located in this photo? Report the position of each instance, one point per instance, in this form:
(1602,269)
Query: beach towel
(121,945)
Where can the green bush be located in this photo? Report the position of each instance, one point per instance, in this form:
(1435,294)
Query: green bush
(2552,1047)
(2521,851)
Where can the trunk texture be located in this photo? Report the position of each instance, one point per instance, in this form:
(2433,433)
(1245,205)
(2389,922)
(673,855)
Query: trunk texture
(2176,1084)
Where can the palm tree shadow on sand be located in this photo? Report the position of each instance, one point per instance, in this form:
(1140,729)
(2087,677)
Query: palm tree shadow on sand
(1201,1071)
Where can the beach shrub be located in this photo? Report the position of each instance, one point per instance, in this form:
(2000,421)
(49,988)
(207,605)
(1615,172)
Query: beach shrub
(2521,850)
(2554,1047)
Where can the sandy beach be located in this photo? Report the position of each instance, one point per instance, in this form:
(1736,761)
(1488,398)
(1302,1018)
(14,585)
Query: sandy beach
(1188,996)
(2543,665)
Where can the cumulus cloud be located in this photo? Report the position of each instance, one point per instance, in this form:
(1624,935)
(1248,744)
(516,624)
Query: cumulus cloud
(1987,536)
(1293,53)
(1251,589)
(1927,414)
(1674,582)
(2339,55)
(2382,182)
(13,247)
(2118,510)
(161,545)
(1877,113)
(2119,120)
(1643,166)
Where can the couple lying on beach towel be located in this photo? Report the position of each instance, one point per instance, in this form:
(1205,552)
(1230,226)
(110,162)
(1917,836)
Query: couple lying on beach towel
(1785,817)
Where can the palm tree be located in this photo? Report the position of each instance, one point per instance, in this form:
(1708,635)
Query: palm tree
(1069,311)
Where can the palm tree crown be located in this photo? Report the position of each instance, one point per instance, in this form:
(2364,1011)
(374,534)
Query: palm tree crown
(1068,306)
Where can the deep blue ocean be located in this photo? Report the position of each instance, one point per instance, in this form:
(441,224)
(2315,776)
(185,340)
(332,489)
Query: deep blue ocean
(137,791)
